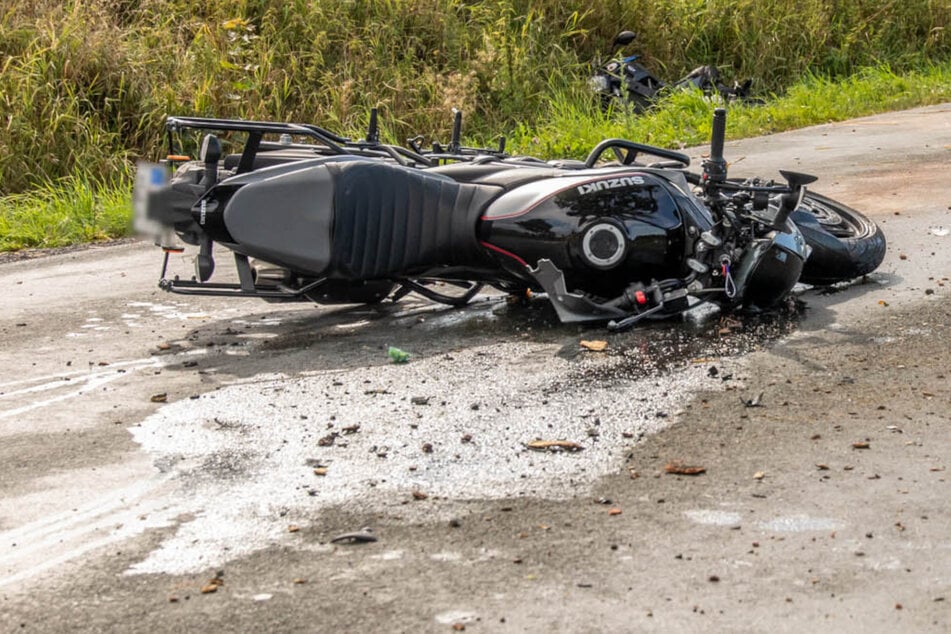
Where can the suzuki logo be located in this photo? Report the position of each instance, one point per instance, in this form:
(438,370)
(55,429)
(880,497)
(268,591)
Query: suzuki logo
(610,183)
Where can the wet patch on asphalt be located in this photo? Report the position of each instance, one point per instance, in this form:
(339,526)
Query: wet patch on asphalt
(460,421)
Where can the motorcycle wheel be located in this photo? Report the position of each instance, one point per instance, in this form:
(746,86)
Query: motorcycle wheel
(845,243)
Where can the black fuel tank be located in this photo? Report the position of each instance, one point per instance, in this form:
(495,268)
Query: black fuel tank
(602,231)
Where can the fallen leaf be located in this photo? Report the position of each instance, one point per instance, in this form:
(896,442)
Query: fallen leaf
(861,445)
(159,398)
(419,495)
(614,511)
(759,475)
(680,469)
(822,467)
(553,445)
(164,346)
(213,584)
(595,345)
(320,471)
(293,528)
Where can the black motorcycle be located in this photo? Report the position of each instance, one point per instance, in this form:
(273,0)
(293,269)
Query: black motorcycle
(339,221)
(625,80)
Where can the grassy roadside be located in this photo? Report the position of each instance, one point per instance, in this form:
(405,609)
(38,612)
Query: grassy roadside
(76,210)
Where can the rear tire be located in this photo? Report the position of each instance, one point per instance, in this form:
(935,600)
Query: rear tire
(845,243)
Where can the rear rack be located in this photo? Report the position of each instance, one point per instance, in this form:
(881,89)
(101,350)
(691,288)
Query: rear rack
(333,144)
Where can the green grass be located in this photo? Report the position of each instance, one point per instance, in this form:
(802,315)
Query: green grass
(574,124)
(66,212)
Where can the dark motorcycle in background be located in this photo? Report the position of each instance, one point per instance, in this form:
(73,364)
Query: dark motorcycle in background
(332,220)
(625,80)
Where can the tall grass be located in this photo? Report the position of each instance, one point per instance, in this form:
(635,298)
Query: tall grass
(65,212)
(84,85)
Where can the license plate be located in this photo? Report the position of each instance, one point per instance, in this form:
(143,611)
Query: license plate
(149,177)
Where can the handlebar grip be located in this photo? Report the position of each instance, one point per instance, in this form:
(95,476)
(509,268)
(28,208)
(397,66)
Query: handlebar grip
(718,135)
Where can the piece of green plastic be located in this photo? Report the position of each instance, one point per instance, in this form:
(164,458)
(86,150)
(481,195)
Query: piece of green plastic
(398,356)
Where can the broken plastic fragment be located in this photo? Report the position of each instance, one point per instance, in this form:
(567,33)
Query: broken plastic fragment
(398,356)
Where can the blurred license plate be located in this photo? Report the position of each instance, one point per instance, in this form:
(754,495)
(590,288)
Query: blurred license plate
(149,177)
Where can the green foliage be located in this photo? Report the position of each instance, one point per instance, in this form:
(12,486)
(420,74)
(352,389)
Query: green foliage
(86,84)
(572,126)
(66,212)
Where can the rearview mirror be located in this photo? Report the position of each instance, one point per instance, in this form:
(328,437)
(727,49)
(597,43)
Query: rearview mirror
(624,38)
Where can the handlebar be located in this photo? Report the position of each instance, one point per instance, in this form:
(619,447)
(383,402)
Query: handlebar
(715,168)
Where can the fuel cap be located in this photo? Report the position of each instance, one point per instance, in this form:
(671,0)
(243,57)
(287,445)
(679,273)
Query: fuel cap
(603,245)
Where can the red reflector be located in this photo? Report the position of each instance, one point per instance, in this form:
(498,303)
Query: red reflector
(640,297)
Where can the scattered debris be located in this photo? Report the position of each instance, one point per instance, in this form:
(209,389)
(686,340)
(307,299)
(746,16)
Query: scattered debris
(553,445)
(328,440)
(362,536)
(419,495)
(614,511)
(320,471)
(594,346)
(293,528)
(420,400)
(753,402)
(863,444)
(397,355)
(759,475)
(213,584)
(680,469)
(159,398)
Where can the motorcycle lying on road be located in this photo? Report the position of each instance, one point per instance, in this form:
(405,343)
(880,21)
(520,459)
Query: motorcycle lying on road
(625,80)
(339,221)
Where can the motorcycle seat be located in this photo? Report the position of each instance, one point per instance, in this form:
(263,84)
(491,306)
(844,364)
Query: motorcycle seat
(390,220)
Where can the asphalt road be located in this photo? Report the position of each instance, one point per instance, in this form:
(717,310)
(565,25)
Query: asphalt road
(174,464)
